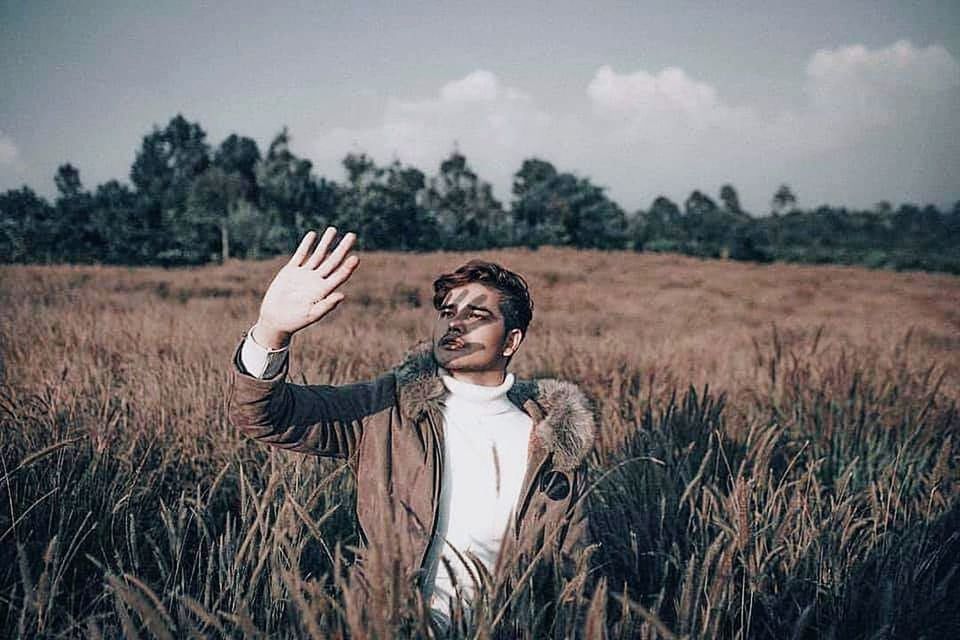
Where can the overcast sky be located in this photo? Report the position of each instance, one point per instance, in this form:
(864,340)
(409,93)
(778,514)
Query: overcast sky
(848,104)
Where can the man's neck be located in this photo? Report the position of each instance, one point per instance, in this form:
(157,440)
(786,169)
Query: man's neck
(491,378)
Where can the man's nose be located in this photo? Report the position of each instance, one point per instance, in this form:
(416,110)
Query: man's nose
(457,323)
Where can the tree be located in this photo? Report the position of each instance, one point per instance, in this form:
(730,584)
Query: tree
(468,215)
(883,208)
(68,181)
(666,210)
(698,204)
(213,197)
(589,218)
(163,171)
(747,243)
(536,223)
(561,208)
(662,226)
(952,235)
(242,223)
(705,225)
(285,191)
(73,232)
(115,218)
(168,161)
(25,223)
(239,155)
(596,221)
(730,199)
(409,223)
(384,205)
(783,200)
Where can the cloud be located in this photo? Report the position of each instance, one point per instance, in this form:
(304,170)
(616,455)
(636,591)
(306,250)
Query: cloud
(851,93)
(494,125)
(900,69)
(666,128)
(8,150)
(650,102)
(855,89)
(479,86)
(644,132)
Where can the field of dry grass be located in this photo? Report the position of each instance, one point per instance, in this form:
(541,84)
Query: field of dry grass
(778,452)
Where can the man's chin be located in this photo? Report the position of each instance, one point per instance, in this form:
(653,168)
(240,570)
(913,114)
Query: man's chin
(446,356)
(452,358)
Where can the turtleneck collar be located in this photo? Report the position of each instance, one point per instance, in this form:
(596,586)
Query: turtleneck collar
(466,391)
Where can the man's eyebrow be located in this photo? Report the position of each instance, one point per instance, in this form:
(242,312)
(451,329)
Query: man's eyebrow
(479,308)
(472,307)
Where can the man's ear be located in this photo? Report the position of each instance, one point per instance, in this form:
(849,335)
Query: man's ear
(512,343)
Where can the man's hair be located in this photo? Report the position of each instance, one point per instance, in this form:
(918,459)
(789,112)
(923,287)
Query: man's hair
(515,303)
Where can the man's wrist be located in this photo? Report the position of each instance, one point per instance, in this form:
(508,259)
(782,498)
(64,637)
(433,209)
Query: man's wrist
(270,338)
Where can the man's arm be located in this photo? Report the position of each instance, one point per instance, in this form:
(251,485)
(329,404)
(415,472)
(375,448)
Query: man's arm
(318,419)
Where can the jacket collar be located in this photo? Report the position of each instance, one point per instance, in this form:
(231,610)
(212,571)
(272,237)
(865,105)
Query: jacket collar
(563,420)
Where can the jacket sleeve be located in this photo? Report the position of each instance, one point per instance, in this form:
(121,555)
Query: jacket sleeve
(316,419)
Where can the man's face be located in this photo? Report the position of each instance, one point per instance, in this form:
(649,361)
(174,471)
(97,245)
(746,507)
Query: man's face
(469,334)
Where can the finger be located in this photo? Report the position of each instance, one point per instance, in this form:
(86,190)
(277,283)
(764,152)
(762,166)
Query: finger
(326,305)
(304,249)
(343,272)
(321,250)
(334,259)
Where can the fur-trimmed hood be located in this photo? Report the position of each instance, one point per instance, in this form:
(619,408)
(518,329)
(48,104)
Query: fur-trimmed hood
(563,419)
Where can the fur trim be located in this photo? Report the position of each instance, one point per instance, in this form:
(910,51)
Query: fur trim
(418,363)
(418,384)
(564,422)
(567,428)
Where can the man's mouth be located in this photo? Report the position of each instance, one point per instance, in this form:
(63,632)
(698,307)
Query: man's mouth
(452,343)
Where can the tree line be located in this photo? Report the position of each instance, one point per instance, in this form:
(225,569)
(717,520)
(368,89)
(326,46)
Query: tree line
(189,203)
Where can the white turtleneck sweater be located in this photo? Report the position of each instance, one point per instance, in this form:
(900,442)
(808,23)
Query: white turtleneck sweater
(485,459)
(485,447)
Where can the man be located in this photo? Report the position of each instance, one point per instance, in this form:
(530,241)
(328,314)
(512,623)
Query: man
(461,469)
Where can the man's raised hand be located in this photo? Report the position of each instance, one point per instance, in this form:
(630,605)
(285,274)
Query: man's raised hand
(304,290)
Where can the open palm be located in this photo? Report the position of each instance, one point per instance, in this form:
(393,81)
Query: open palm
(304,290)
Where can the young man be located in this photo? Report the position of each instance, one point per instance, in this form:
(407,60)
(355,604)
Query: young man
(461,468)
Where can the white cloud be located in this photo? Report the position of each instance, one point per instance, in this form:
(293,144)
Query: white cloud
(495,126)
(643,133)
(8,150)
(651,101)
(857,89)
(672,133)
(899,69)
(479,86)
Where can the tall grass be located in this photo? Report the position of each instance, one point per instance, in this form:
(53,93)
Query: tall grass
(772,463)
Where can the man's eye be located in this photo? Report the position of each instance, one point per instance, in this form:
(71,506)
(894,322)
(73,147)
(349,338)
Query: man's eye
(476,314)
(445,313)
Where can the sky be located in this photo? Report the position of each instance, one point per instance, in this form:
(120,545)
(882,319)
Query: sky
(849,103)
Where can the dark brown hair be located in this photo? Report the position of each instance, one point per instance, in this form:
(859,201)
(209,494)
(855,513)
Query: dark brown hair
(515,303)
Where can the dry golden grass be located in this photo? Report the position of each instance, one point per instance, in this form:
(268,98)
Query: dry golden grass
(822,461)
(687,320)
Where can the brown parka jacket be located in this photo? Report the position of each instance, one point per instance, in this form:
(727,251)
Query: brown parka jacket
(391,431)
